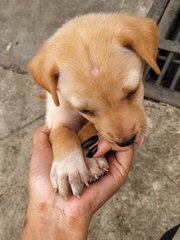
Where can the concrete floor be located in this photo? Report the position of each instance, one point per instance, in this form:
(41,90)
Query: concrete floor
(149,202)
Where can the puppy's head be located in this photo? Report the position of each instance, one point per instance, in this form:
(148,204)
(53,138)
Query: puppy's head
(96,61)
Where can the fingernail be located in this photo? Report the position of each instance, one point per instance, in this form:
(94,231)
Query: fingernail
(91,153)
(90,141)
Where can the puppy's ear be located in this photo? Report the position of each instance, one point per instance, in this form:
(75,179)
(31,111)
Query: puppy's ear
(141,35)
(43,69)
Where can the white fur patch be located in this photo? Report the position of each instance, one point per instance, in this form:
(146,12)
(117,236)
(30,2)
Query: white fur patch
(76,101)
(133,79)
(52,111)
(95,71)
(70,171)
(64,114)
(69,164)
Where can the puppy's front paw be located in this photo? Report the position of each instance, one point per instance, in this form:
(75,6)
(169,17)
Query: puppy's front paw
(69,175)
(97,167)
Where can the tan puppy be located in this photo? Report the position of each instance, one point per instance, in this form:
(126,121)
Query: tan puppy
(93,67)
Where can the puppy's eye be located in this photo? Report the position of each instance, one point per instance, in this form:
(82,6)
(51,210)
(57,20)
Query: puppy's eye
(87,112)
(131,93)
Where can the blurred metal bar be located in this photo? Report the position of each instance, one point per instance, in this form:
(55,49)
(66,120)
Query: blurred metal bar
(165,67)
(163,58)
(165,13)
(146,72)
(162,94)
(168,61)
(175,80)
(168,18)
(169,45)
(157,10)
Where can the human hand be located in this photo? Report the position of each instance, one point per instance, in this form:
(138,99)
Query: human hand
(51,217)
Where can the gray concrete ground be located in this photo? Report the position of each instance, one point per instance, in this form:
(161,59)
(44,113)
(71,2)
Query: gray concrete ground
(149,202)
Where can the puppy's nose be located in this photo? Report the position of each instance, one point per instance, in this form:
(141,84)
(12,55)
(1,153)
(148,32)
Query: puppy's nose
(127,142)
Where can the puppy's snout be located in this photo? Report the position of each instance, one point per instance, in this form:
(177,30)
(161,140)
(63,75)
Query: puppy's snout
(127,142)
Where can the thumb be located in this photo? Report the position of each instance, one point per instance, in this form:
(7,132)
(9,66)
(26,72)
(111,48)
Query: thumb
(42,156)
(41,138)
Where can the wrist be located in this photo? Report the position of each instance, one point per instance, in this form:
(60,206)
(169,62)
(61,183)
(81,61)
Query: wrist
(45,222)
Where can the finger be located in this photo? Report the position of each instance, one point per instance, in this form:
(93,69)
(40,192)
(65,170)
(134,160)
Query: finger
(124,158)
(42,156)
(117,148)
(103,189)
(103,147)
(41,138)
(120,163)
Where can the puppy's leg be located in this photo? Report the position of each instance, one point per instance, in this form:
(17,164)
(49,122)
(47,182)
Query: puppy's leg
(87,131)
(69,172)
(97,166)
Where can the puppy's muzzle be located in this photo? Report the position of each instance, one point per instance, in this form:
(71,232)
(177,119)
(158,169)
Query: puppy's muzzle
(127,142)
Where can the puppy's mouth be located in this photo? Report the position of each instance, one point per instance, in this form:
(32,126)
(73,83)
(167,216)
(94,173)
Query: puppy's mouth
(139,140)
(128,142)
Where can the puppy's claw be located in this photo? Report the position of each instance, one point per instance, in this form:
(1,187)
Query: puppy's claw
(54,184)
(96,177)
(78,196)
(105,169)
(87,184)
(77,188)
